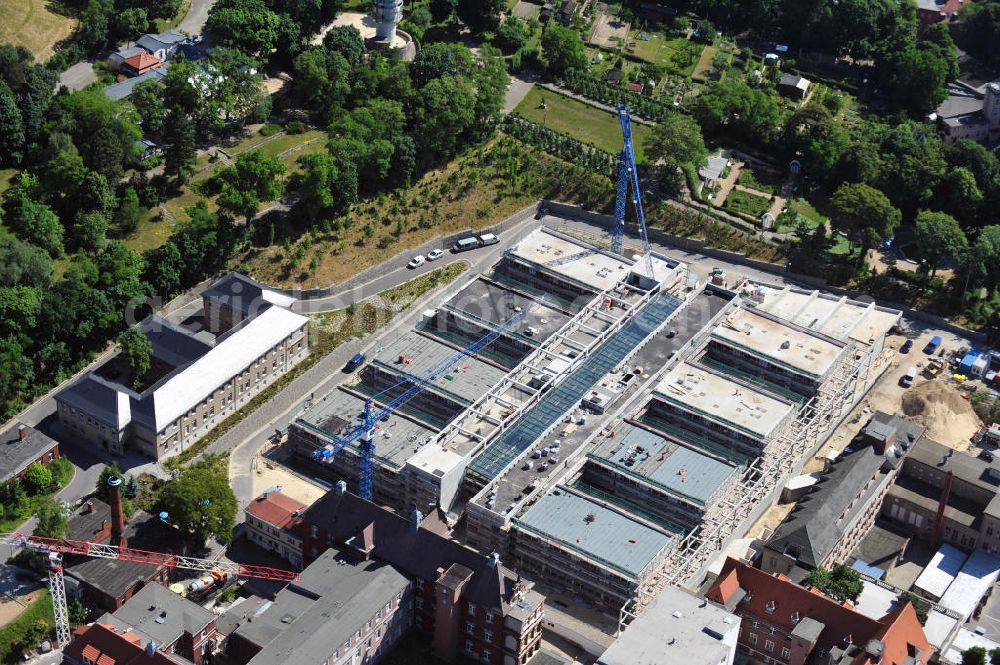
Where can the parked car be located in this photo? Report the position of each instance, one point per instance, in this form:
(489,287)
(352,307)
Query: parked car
(434,254)
(907,379)
(416,261)
(933,345)
(907,345)
(488,239)
(465,244)
(355,362)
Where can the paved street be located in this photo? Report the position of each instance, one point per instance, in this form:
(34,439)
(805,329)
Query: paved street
(79,76)
(194,21)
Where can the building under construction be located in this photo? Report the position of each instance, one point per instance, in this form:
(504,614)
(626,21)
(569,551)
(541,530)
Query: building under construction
(616,435)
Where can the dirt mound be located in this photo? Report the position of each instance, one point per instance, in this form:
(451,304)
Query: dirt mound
(942,409)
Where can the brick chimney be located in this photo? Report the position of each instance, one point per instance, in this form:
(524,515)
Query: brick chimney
(22,432)
(117,512)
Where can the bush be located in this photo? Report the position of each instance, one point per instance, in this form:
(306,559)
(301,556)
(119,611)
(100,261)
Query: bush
(270,129)
(296,127)
(38,479)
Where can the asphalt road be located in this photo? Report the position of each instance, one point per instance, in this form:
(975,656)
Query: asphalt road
(79,76)
(194,22)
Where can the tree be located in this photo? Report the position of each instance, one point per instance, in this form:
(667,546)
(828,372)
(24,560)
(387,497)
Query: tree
(987,256)
(974,656)
(328,186)
(347,41)
(51,519)
(90,230)
(512,35)
(253,179)
(34,221)
(442,9)
(23,264)
(11,128)
(201,502)
(147,98)
(129,212)
(93,30)
(447,110)
(138,353)
(938,236)
(562,50)
(676,140)
(480,15)
(179,151)
(865,213)
(107,473)
(920,606)
(131,23)
(978,30)
(440,59)
(37,479)
(247,25)
(840,582)
(322,82)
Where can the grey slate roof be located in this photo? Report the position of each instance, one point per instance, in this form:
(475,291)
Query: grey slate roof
(16,455)
(167,39)
(97,398)
(114,577)
(122,89)
(238,612)
(84,525)
(161,614)
(312,617)
(418,552)
(171,343)
(812,530)
(123,54)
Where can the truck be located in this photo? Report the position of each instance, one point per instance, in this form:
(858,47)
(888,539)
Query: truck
(201,585)
(933,345)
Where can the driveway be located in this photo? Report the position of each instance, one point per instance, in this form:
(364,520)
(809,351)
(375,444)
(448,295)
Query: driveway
(78,77)
(196,17)
(520,86)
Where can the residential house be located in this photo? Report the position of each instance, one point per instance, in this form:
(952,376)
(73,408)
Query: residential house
(930,12)
(567,10)
(832,520)
(118,91)
(272,522)
(787,624)
(970,113)
(94,644)
(173,623)
(793,86)
(139,63)
(20,447)
(163,45)
(117,59)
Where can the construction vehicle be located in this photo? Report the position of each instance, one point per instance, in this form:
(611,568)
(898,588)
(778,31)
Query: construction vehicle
(934,367)
(56,548)
(628,174)
(202,585)
(987,435)
(411,385)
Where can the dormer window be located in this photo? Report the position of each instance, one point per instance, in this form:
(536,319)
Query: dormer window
(769,608)
(796,617)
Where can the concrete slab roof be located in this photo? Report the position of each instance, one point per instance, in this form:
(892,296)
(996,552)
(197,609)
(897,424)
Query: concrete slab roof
(340,410)
(468,380)
(574,259)
(783,344)
(679,470)
(830,315)
(596,532)
(723,400)
(489,301)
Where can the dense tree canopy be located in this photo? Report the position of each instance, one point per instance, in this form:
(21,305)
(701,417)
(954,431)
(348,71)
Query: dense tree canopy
(201,502)
(938,236)
(562,50)
(864,214)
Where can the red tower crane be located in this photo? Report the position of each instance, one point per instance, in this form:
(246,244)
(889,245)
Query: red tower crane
(55,548)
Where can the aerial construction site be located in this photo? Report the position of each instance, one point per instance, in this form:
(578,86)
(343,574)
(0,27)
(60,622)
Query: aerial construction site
(625,421)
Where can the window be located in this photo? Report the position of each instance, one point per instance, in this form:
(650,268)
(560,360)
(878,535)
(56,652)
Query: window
(420,603)
(486,656)
(468,647)
(753,639)
(472,609)
(378,615)
(785,653)
(470,627)
(488,635)
(773,630)
(489,617)
(388,606)
(756,624)
(768,646)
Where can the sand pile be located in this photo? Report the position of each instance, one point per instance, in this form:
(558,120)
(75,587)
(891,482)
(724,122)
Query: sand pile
(942,409)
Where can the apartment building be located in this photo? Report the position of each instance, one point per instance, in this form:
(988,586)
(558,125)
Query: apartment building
(831,521)
(196,380)
(785,624)
(946,496)
(96,643)
(470,604)
(174,624)
(341,610)
(272,521)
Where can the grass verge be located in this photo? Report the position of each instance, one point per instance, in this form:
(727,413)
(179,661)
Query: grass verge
(333,330)
(37,25)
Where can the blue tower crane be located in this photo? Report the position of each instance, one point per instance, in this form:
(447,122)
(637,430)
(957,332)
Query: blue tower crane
(628,174)
(365,431)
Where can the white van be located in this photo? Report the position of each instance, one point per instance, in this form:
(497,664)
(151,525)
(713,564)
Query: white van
(488,239)
(465,244)
(907,379)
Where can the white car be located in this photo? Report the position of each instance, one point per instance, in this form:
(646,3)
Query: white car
(416,261)
(434,254)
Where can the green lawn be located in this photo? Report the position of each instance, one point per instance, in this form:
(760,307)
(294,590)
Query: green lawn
(813,217)
(760,180)
(162,24)
(676,54)
(747,203)
(581,121)
(841,247)
(704,64)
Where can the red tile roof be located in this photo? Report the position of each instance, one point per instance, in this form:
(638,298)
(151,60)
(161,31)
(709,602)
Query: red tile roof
(277,509)
(899,630)
(101,644)
(636,87)
(141,61)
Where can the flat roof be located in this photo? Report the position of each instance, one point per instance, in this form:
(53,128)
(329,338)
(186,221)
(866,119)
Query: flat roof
(673,467)
(701,390)
(580,262)
(587,527)
(938,627)
(973,582)
(676,627)
(964,640)
(875,601)
(488,301)
(831,315)
(940,572)
(468,380)
(340,409)
(778,342)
